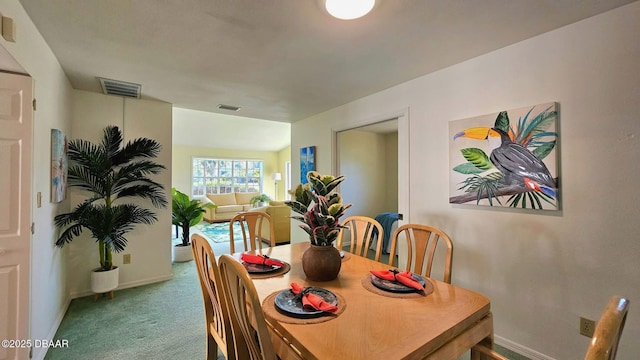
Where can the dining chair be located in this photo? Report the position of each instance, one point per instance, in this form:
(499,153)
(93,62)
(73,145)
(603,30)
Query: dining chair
(245,307)
(219,324)
(603,344)
(422,240)
(361,235)
(251,223)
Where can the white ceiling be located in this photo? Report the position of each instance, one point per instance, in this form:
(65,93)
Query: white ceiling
(206,129)
(282,60)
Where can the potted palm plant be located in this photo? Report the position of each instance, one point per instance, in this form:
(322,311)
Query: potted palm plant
(111,173)
(319,208)
(185,213)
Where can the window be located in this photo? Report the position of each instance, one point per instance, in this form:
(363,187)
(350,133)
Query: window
(218,176)
(287,179)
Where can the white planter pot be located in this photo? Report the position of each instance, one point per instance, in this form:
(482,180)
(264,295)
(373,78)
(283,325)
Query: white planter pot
(104,281)
(182,253)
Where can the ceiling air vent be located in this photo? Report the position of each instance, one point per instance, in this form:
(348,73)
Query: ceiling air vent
(120,88)
(228,107)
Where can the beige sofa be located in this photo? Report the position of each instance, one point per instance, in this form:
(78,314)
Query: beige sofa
(280,216)
(227,205)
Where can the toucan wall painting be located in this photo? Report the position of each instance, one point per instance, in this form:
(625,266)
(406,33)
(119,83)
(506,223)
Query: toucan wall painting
(506,159)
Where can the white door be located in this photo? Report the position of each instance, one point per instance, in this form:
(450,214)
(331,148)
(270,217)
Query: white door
(15,213)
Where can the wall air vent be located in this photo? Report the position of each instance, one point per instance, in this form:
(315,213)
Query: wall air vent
(228,107)
(120,88)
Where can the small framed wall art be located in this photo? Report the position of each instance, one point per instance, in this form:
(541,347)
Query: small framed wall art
(59,165)
(307,162)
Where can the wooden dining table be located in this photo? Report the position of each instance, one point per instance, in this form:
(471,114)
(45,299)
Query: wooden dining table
(441,325)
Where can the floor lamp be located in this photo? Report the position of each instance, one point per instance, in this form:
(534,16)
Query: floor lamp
(276,177)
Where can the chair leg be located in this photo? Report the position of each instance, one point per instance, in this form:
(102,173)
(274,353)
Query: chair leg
(212,347)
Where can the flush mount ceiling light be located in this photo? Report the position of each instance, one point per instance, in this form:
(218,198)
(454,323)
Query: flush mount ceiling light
(349,9)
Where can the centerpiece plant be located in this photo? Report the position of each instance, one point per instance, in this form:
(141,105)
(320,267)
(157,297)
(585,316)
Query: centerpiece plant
(319,207)
(112,174)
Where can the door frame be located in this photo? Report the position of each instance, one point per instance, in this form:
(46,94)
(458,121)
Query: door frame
(402,115)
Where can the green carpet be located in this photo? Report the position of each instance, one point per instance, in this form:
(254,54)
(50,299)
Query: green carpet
(158,321)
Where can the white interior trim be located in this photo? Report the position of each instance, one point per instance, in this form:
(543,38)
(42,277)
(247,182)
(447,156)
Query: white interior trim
(403,153)
(522,350)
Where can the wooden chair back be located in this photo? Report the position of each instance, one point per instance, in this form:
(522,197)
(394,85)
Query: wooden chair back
(422,240)
(219,325)
(361,235)
(246,308)
(604,343)
(251,223)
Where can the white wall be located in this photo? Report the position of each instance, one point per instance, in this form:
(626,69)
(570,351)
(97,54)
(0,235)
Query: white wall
(284,156)
(53,93)
(542,271)
(391,172)
(149,245)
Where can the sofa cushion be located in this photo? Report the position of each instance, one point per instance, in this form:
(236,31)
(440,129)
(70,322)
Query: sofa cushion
(245,197)
(223,199)
(276,203)
(229,208)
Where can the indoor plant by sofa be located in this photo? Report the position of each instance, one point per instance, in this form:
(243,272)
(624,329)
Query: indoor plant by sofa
(111,174)
(259,200)
(185,213)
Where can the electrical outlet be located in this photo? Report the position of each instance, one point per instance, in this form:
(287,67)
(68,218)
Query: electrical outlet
(587,327)
(126,259)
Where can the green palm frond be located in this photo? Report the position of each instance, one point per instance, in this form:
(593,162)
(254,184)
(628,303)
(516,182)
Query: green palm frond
(151,192)
(111,141)
(138,148)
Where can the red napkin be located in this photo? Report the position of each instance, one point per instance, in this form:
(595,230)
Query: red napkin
(404,278)
(261,260)
(313,301)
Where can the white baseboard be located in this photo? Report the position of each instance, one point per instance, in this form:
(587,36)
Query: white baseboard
(38,353)
(522,350)
(130,284)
